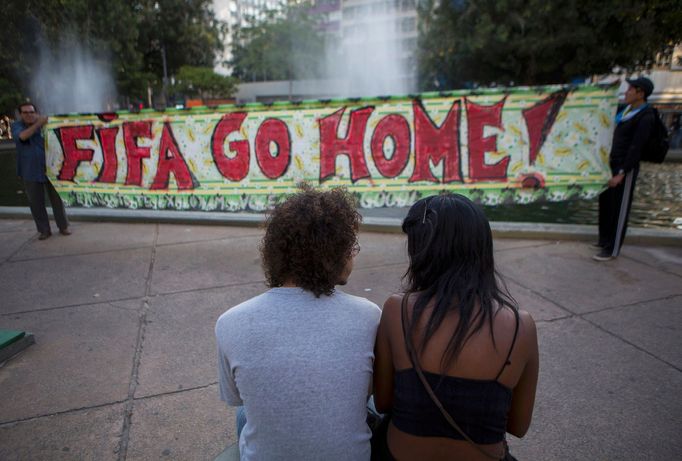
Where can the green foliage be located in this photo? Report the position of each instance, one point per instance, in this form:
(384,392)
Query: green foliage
(131,35)
(204,82)
(10,96)
(186,30)
(529,42)
(282,46)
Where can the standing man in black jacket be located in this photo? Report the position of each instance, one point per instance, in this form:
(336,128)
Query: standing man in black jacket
(633,129)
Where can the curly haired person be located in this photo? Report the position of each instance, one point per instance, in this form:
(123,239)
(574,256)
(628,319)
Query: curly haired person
(297,359)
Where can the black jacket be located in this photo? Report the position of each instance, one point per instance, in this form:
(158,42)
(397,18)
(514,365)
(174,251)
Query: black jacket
(629,139)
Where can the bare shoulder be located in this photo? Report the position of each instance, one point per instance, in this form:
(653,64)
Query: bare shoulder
(528,335)
(390,313)
(391,309)
(526,323)
(393,302)
(505,323)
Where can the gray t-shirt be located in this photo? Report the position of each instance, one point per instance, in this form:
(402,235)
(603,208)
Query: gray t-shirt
(301,366)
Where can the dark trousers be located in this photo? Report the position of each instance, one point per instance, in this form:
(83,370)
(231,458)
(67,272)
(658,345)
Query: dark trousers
(36,192)
(614,211)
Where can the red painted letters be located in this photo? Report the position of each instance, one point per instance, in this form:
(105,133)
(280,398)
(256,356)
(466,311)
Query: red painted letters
(236,168)
(396,127)
(273,130)
(351,145)
(73,155)
(434,144)
(172,161)
(479,117)
(107,139)
(539,121)
(135,153)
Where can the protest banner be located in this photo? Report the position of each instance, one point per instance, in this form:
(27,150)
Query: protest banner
(510,145)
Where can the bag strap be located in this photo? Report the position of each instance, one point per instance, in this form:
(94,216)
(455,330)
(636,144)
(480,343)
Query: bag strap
(427,386)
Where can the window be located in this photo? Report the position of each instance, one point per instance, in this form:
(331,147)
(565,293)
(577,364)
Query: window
(408,25)
(407,5)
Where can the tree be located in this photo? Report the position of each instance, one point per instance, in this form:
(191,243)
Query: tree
(282,46)
(204,82)
(10,96)
(133,36)
(530,42)
(18,23)
(108,29)
(183,32)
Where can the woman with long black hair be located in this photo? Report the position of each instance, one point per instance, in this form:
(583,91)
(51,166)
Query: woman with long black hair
(456,361)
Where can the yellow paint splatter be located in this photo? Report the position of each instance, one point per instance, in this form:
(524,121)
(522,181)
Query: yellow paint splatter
(588,141)
(580,127)
(495,155)
(603,154)
(515,130)
(299,163)
(190,133)
(299,131)
(562,115)
(563,151)
(192,165)
(540,159)
(516,166)
(243,132)
(604,120)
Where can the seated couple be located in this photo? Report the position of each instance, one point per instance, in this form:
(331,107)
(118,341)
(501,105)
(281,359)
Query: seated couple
(301,359)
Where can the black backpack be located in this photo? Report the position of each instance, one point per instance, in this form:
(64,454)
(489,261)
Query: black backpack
(657,146)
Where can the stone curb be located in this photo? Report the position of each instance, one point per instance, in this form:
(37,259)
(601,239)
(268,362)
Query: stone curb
(516,230)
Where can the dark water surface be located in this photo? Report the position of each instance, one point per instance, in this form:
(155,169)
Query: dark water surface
(11,189)
(657,202)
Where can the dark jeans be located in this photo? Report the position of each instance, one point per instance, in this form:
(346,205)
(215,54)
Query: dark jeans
(614,211)
(36,191)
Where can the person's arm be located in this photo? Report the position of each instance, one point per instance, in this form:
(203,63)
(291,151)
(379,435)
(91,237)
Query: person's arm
(645,126)
(383,358)
(30,131)
(226,380)
(523,396)
(643,132)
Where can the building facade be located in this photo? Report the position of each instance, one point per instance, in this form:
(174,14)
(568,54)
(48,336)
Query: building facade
(236,13)
(370,46)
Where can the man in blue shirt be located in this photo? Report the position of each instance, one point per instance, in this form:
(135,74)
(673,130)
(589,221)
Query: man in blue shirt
(31,169)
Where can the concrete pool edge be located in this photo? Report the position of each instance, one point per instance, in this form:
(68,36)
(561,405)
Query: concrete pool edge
(515,230)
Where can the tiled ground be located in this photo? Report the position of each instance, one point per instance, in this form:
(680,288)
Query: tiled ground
(123,315)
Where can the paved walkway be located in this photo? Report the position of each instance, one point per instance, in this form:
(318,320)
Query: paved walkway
(123,315)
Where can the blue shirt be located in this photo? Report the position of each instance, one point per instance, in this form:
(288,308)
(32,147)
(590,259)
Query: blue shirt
(30,154)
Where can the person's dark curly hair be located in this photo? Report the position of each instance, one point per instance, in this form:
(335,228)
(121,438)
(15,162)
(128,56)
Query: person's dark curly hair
(309,238)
